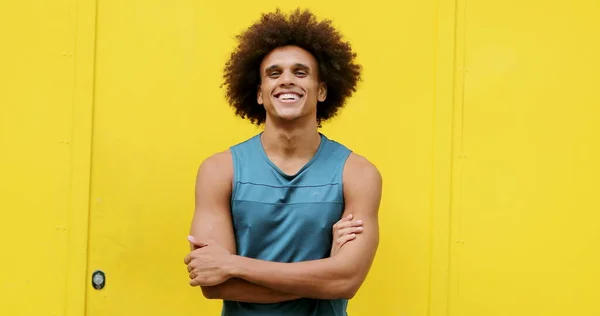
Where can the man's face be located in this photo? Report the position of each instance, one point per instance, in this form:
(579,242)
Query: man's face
(290,88)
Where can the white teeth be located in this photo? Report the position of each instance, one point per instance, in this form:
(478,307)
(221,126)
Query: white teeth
(288,96)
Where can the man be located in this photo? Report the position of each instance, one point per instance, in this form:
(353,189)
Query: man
(261,233)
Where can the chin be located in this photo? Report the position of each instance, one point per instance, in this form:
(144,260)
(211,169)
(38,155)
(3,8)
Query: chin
(288,114)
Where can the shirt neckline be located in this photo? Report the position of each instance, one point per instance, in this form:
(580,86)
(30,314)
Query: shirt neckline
(258,143)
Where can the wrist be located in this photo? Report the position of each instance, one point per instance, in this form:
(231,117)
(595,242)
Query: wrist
(234,267)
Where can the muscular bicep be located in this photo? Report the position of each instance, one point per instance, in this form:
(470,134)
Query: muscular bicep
(212,215)
(362,195)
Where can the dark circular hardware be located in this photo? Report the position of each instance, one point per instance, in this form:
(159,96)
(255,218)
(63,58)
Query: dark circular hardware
(98,280)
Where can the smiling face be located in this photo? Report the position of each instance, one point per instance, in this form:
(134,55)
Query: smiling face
(290,87)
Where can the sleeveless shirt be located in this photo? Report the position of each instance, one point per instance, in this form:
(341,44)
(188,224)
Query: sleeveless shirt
(286,218)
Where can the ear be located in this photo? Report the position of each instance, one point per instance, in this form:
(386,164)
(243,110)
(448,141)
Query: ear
(259,97)
(322,92)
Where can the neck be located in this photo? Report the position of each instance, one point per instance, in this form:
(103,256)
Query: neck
(291,139)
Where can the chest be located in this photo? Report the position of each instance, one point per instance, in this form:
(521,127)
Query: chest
(285,223)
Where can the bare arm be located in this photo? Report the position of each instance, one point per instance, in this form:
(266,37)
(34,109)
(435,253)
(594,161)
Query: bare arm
(212,220)
(339,276)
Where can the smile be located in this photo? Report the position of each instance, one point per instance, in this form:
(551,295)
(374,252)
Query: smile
(288,97)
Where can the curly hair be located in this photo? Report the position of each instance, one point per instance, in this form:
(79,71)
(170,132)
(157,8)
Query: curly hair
(335,59)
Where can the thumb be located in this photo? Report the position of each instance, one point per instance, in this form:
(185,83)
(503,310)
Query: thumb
(196,242)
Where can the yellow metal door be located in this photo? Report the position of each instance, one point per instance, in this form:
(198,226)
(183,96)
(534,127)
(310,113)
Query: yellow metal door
(526,224)
(35,157)
(159,111)
(45,74)
(489,158)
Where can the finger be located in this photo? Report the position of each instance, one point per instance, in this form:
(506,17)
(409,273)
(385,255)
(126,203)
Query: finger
(196,242)
(189,268)
(350,230)
(187,259)
(347,224)
(346,238)
(342,225)
(357,223)
(343,220)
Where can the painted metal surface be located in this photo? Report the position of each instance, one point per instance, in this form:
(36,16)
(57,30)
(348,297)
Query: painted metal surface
(482,118)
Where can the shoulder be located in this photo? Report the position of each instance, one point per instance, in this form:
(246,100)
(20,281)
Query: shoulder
(217,168)
(360,174)
(362,183)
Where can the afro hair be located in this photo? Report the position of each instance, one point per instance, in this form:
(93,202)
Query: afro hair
(335,59)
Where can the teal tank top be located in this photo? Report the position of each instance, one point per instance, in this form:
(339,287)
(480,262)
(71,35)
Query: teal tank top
(286,218)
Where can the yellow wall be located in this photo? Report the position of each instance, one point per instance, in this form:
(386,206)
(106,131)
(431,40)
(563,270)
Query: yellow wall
(35,163)
(482,118)
(45,98)
(526,211)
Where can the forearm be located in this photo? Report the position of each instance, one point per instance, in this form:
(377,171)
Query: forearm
(328,278)
(243,291)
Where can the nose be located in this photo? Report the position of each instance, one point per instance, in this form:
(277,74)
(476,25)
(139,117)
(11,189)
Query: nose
(286,78)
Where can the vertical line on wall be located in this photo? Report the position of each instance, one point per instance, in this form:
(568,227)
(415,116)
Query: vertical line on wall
(457,159)
(442,149)
(432,192)
(83,101)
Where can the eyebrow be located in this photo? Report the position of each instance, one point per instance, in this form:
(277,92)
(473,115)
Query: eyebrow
(296,65)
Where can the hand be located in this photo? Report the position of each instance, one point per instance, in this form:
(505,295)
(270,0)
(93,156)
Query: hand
(344,231)
(208,263)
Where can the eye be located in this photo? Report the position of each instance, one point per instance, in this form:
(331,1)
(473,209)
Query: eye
(274,74)
(300,73)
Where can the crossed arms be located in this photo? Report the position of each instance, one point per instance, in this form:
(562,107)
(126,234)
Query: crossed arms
(214,266)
